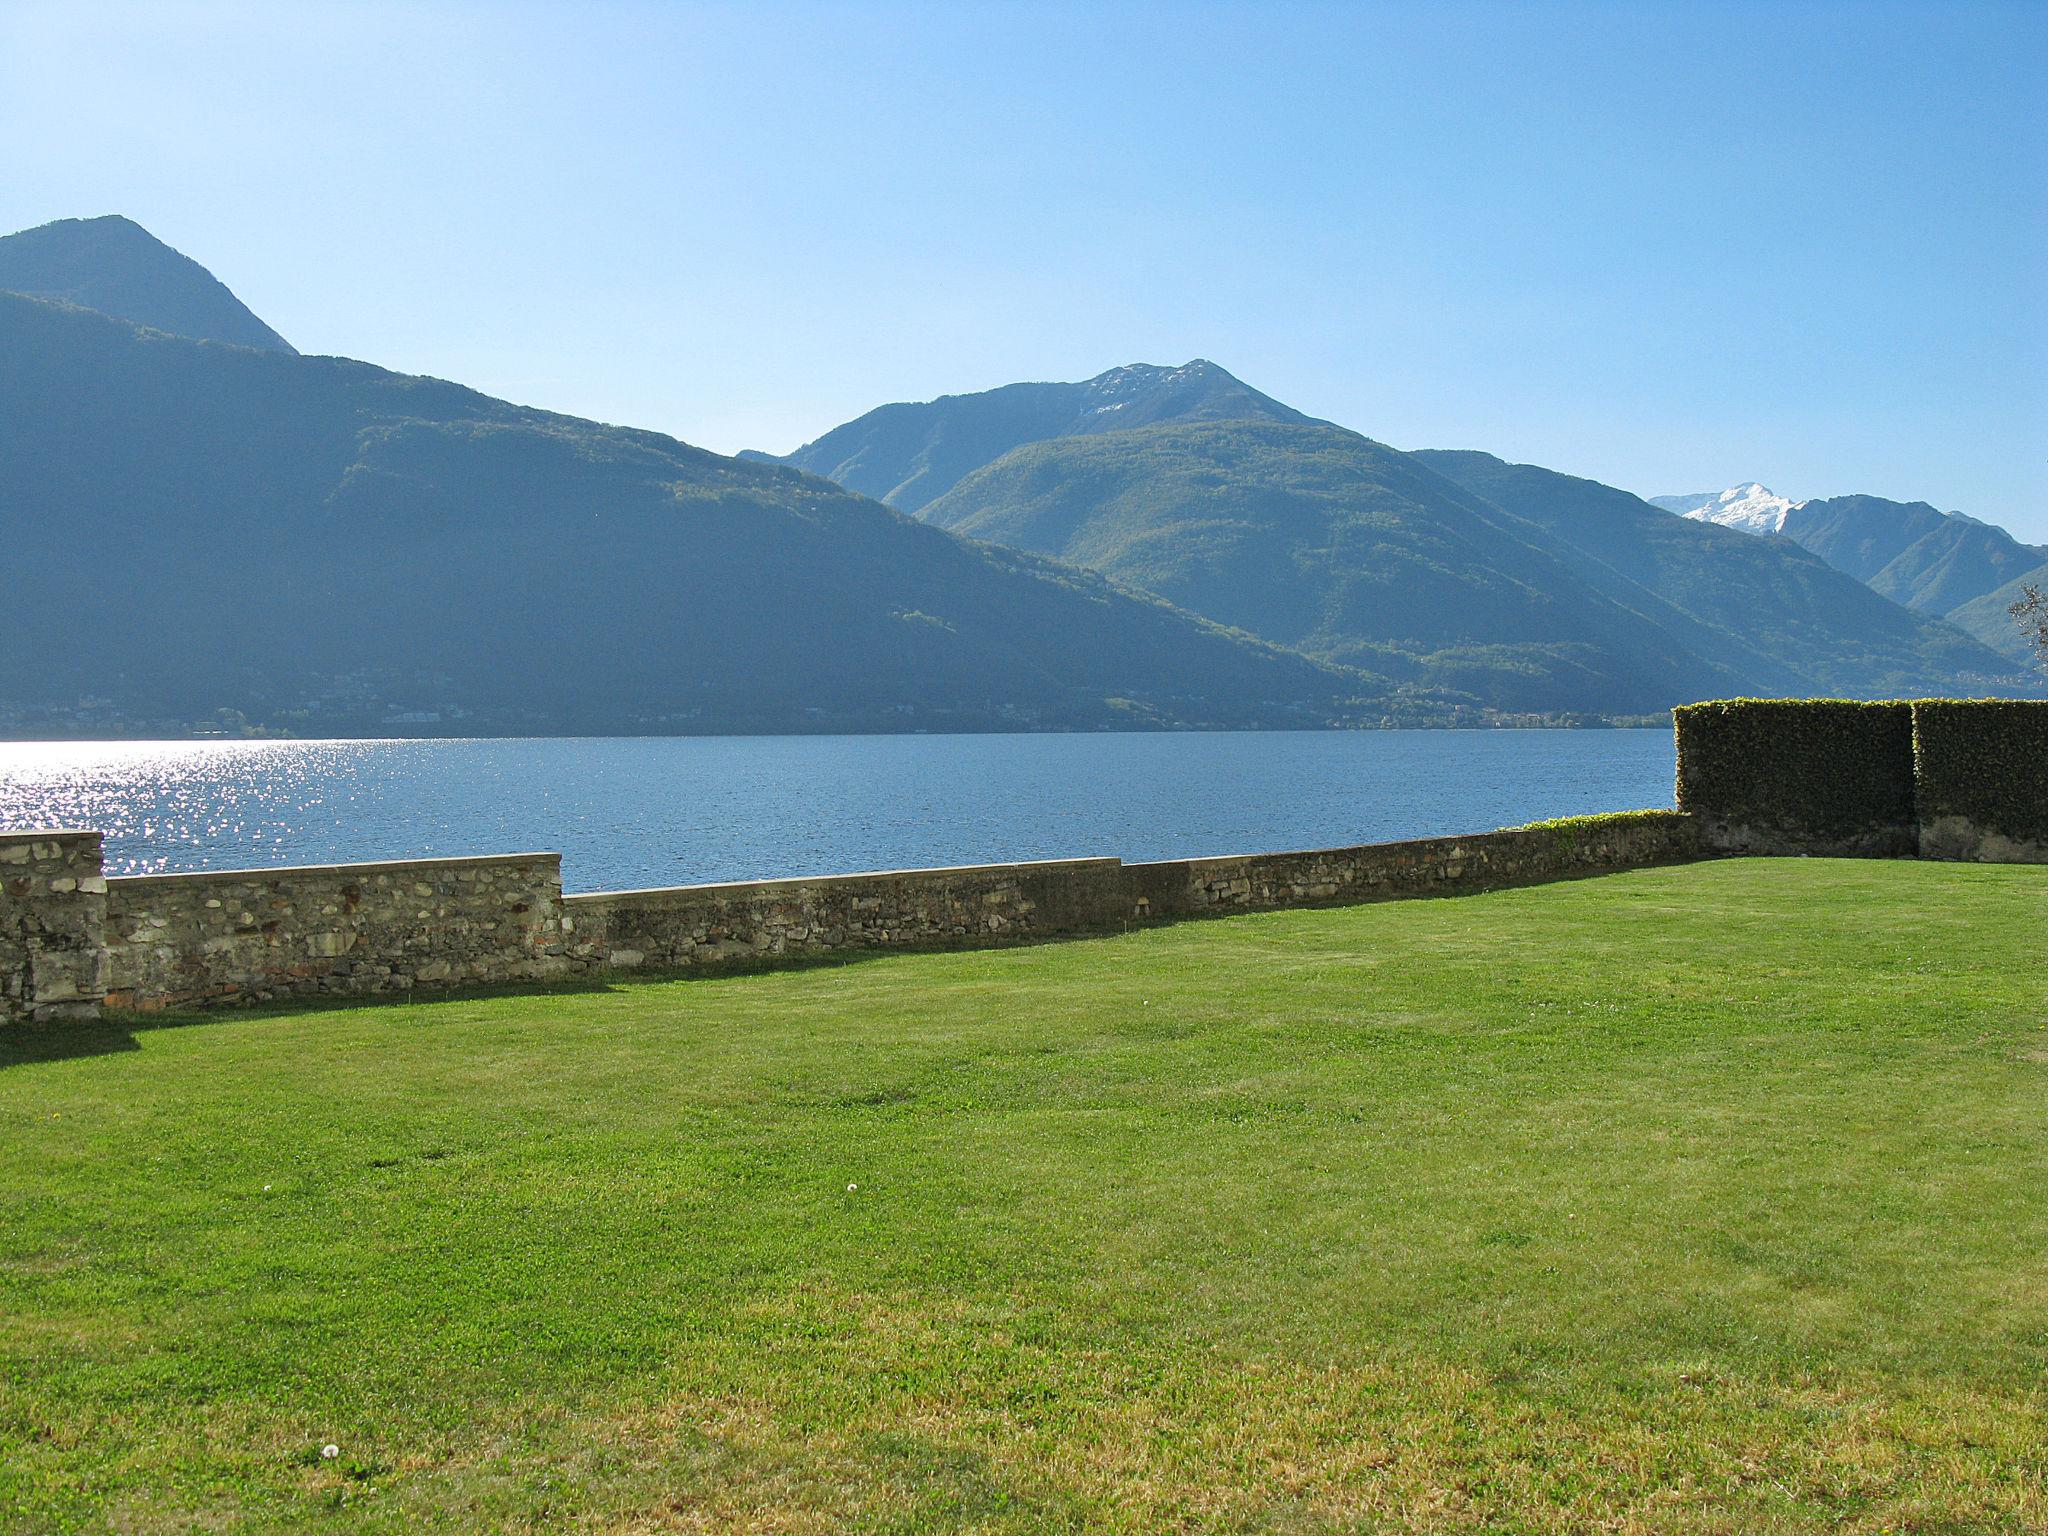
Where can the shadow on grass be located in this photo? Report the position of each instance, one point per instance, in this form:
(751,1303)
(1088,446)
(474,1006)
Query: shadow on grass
(24,1044)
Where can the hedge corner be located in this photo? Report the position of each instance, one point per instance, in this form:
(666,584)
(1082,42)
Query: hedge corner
(1824,776)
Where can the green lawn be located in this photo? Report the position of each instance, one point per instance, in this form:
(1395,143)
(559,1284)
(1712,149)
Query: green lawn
(1699,1199)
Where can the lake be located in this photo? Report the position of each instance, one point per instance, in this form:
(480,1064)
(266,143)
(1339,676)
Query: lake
(626,812)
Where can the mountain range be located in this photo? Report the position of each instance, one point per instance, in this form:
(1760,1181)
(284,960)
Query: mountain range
(220,528)
(1935,562)
(1516,585)
(319,544)
(1760,602)
(1340,547)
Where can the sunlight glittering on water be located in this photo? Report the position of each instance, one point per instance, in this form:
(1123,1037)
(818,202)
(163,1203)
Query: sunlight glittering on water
(669,811)
(192,805)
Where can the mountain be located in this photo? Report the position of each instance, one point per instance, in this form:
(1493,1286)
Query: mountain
(1317,538)
(1929,560)
(1861,534)
(1753,508)
(323,545)
(911,454)
(1989,618)
(119,268)
(1765,600)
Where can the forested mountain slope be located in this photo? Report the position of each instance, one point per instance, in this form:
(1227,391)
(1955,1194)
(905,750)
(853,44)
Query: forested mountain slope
(190,525)
(1767,595)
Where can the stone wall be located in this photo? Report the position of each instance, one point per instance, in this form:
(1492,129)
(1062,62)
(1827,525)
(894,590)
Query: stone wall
(250,936)
(150,942)
(53,904)
(1422,867)
(698,927)
(724,927)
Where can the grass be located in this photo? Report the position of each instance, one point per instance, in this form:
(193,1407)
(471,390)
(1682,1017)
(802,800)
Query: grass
(1707,1199)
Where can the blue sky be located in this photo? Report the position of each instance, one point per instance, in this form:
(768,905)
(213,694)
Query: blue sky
(1669,246)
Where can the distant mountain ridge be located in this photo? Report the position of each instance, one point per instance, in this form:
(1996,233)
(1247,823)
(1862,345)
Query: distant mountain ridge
(1767,600)
(117,267)
(213,523)
(1928,560)
(910,454)
(1989,618)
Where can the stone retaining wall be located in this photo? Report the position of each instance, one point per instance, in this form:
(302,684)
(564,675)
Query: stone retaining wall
(723,927)
(262,935)
(150,942)
(53,904)
(1422,867)
(697,927)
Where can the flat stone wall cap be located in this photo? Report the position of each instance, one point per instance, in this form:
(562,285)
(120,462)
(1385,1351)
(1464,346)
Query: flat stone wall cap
(12,834)
(792,882)
(1341,851)
(1352,850)
(302,871)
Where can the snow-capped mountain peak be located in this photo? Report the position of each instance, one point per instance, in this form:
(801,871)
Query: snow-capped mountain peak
(1753,508)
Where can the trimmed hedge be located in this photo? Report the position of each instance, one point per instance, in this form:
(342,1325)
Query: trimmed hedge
(1820,773)
(1986,761)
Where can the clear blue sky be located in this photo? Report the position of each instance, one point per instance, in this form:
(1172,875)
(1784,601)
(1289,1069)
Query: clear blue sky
(1669,246)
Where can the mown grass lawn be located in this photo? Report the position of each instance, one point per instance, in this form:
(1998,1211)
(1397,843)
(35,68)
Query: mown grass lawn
(1699,1199)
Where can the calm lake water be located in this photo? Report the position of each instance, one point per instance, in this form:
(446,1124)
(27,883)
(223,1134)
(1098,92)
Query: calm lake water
(667,811)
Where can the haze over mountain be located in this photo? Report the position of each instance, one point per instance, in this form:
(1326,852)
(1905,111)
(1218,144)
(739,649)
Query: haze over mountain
(911,454)
(320,543)
(1931,561)
(119,268)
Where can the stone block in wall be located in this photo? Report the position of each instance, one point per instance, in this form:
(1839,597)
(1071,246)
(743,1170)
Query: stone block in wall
(53,904)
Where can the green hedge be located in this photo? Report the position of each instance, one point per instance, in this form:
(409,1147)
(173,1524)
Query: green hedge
(1821,772)
(1569,834)
(1602,821)
(1985,760)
